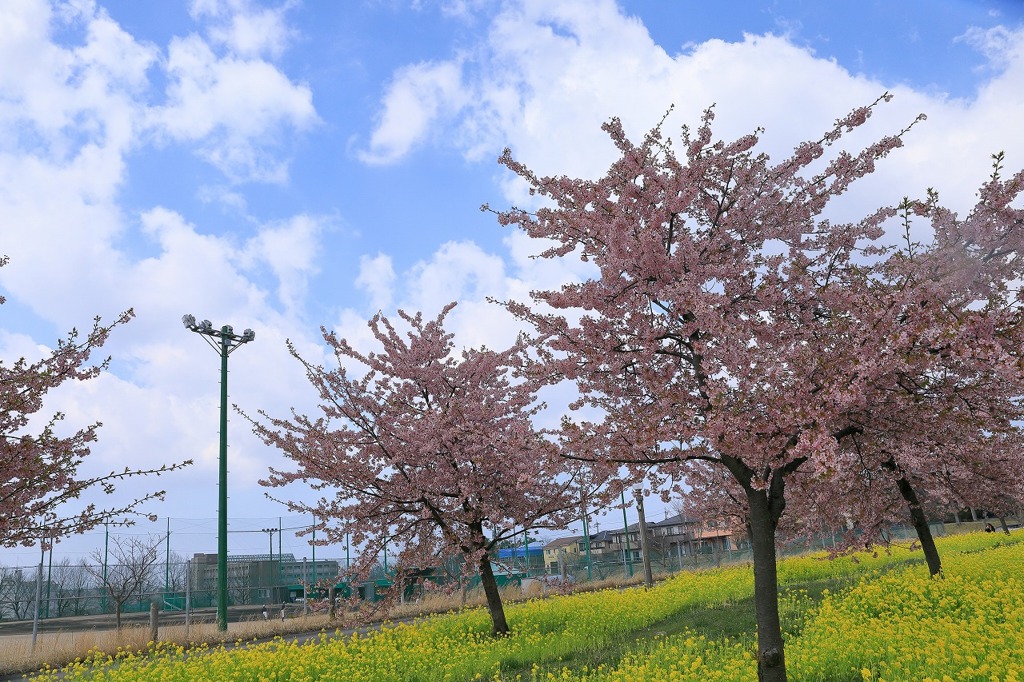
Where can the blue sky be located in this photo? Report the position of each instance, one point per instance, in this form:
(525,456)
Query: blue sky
(289,164)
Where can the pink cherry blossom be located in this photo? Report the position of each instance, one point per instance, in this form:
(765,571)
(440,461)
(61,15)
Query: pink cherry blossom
(776,360)
(40,485)
(432,452)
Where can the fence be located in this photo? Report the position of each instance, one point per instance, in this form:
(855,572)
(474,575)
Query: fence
(133,573)
(604,566)
(161,561)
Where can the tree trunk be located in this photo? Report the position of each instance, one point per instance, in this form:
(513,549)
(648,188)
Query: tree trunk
(771,658)
(117,615)
(498,625)
(1002,522)
(924,531)
(918,517)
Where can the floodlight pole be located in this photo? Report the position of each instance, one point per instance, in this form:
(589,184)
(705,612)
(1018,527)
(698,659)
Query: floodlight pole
(228,342)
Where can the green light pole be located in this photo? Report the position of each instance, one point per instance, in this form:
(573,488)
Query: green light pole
(526,550)
(625,528)
(586,540)
(226,343)
(106,549)
(270,566)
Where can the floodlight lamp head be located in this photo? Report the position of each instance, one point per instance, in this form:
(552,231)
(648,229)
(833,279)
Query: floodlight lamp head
(206,326)
(189,321)
(229,330)
(248,335)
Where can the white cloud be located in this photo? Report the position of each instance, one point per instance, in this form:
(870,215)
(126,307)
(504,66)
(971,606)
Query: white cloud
(59,100)
(1002,46)
(547,75)
(290,249)
(462,8)
(246,30)
(223,195)
(74,115)
(377,279)
(233,107)
(78,97)
(456,271)
(418,96)
(15,346)
(542,80)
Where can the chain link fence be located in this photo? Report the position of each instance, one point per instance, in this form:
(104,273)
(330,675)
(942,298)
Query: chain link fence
(135,570)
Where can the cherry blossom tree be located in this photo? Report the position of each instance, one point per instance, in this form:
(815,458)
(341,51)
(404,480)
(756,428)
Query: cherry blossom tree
(39,461)
(942,410)
(431,451)
(727,332)
(939,425)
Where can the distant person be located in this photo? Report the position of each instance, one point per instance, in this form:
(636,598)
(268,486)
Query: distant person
(989,528)
(282,610)
(264,612)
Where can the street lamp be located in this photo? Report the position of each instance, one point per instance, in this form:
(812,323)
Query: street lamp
(270,566)
(271,531)
(227,342)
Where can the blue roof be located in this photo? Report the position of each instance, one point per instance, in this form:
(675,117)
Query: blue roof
(518,552)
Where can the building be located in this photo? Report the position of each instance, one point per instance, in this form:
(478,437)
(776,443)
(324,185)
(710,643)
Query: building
(520,557)
(604,546)
(569,547)
(257,578)
(674,536)
(681,535)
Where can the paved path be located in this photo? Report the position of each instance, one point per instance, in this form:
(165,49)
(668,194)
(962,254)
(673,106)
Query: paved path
(78,624)
(106,621)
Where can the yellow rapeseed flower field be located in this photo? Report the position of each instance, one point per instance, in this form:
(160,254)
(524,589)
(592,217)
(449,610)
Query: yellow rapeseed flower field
(894,623)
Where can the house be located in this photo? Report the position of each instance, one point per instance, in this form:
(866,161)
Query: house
(674,536)
(603,546)
(570,546)
(681,535)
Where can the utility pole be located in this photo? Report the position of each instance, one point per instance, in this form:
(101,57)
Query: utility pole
(625,530)
(39,594)
(188,596)
(106,549)
(228,341)
(271,531)
(167,561)
(49,578)
(270,564)
(586,539)
(526,550)
(645,550)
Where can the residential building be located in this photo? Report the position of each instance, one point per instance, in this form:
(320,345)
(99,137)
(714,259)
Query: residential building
(570,546)
(674,536)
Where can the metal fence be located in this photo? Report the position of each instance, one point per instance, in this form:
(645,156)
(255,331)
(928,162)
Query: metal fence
(69,587)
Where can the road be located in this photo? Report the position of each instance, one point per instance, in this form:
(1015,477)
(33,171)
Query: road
(235,614)
(106,621)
